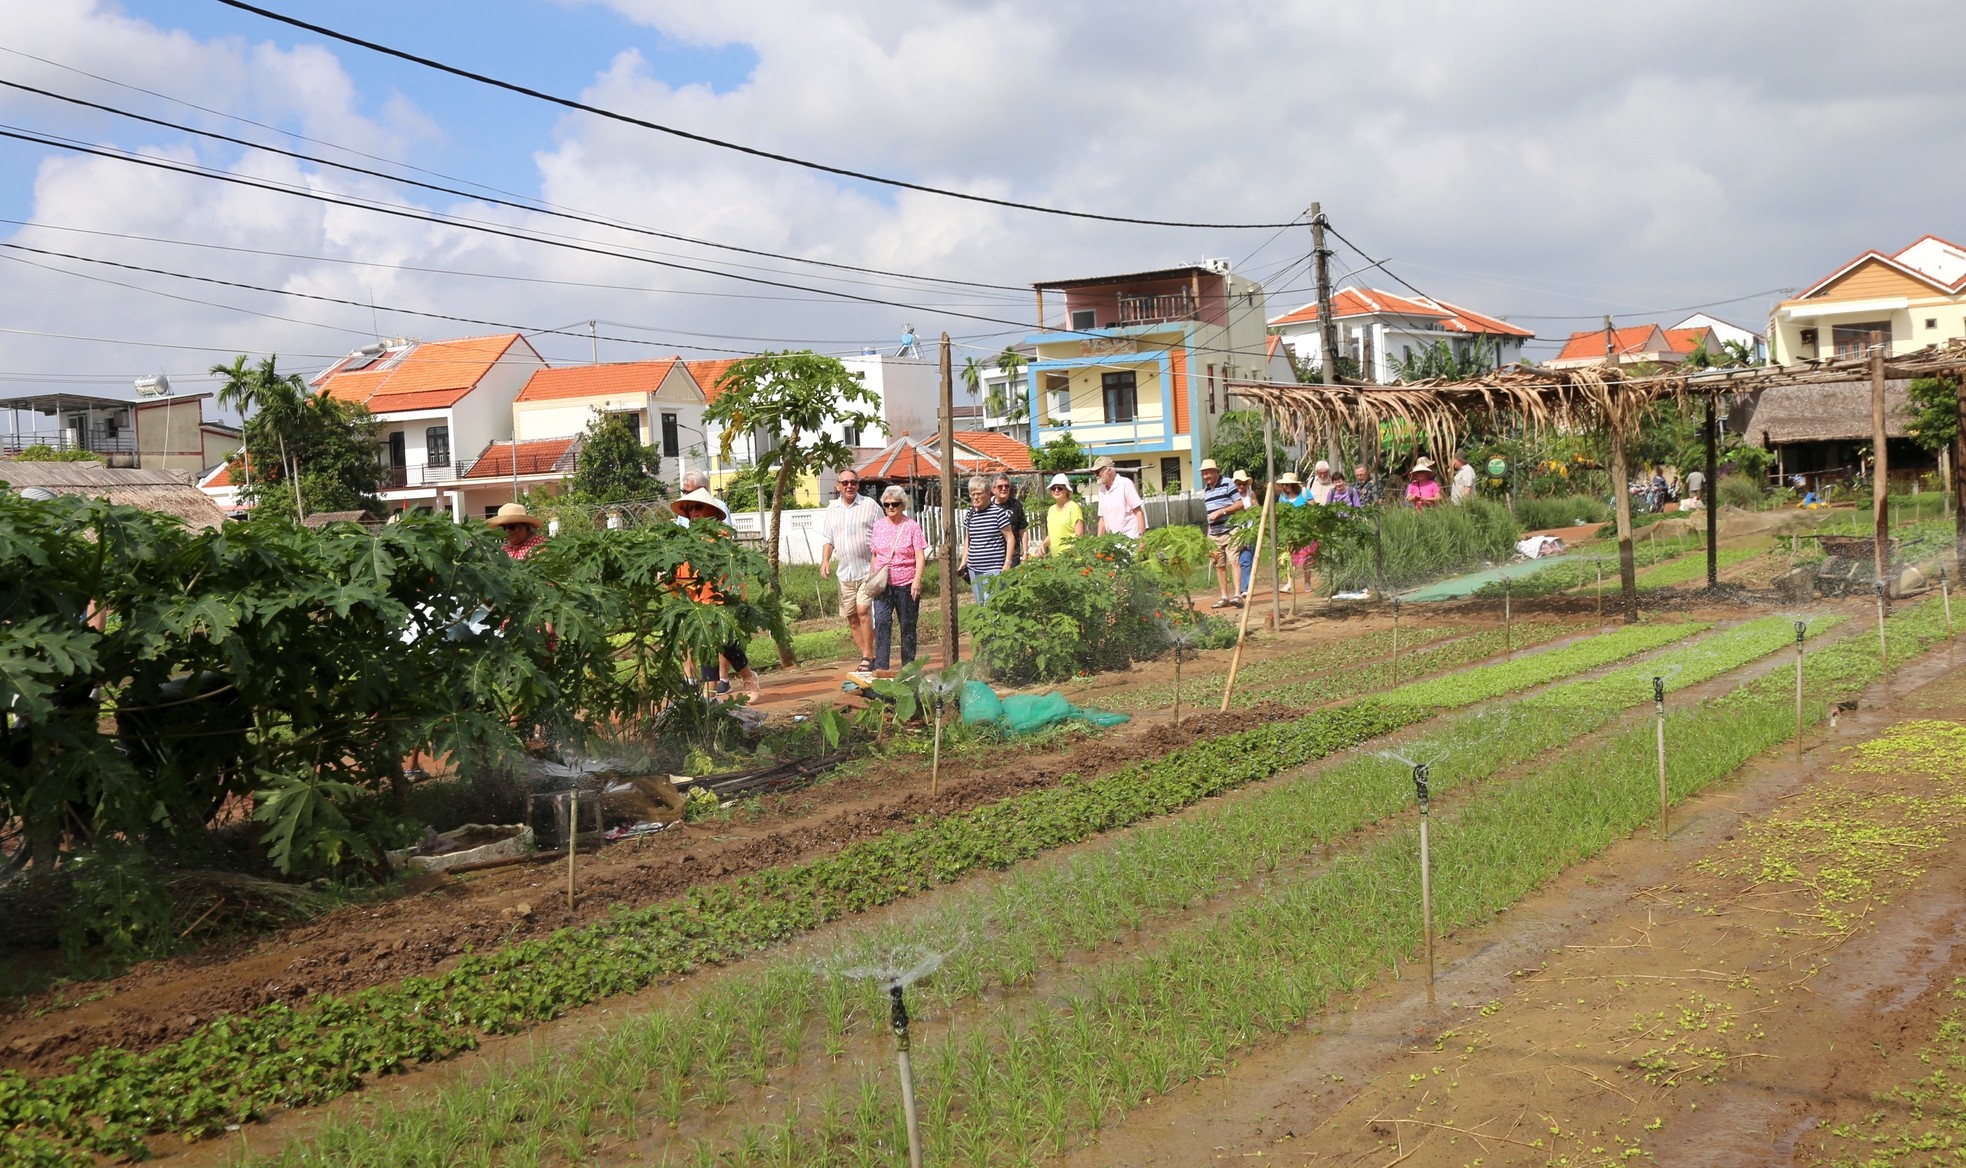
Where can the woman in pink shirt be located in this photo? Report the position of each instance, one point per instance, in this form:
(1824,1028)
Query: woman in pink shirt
(900,550)
(1422,489)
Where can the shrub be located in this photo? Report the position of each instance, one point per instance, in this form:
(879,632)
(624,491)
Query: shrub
(1094,607)
(1418,546)
(1563,511)
(42,452)
(1740,491)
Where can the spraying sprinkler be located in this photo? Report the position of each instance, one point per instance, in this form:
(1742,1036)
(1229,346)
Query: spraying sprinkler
(1508,628)
(1426,876)
(1801,627)
(1883,645)
(1945,598)
(898,1016)
(1659,712)
(1395,640)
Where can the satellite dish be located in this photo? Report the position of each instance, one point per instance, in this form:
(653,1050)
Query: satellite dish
(156,386)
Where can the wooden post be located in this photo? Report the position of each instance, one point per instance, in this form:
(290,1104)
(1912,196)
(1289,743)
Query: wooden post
(1880,483)
(951,647)
(1710,493)
(1242,632)
(1270,518)
(1959,478)
(1621,496)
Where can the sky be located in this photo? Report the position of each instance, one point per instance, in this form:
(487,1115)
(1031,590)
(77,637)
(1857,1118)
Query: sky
(1548,162)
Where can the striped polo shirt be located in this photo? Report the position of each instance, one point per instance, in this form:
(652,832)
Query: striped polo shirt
(988,547)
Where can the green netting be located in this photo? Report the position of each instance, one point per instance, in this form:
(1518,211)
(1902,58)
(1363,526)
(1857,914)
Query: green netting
(1025,713)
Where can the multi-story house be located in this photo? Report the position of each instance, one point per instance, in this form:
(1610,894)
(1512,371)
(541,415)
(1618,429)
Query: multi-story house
(1379,331)
(1905,301)
(436,403)
(1135,366)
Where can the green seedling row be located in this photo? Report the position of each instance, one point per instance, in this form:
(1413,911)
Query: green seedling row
(1200,688)
(1001,937)
(237,1068)
(1429,659)
(1689,568)
(1576,570)
(1134,1030)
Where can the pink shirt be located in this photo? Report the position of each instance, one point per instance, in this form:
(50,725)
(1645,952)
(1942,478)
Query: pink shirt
(1119,508)
(894,548)
(1421,492)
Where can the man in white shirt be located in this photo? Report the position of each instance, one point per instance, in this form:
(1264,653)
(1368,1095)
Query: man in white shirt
(848,529)
(1120,509)
(1464,480)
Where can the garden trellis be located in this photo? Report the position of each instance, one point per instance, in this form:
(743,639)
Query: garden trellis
(1606,397)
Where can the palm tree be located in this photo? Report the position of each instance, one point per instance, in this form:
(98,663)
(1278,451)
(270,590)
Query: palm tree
(276,397)
(1009,401)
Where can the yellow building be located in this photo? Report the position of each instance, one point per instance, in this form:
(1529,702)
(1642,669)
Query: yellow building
(1906,301)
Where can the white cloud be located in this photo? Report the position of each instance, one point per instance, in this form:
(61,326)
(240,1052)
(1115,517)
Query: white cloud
(1529,158)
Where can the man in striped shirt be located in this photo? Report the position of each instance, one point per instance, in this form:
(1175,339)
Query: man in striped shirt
(1222,500)
(848,529)
(986,544)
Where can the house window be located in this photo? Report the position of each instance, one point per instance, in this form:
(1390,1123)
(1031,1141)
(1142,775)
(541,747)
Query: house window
(437,445)
(853,435)
(672,439)
(1855,340)
(1120,396)
(1083,320)
(1932,322)
(398,454)
(633,418)
(1058,391)
(1170,475)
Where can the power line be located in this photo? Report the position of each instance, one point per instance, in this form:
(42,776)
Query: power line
(707,140)
(501,202)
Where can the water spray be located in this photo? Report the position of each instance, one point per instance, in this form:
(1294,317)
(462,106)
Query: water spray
(898,1016)
(1801,627)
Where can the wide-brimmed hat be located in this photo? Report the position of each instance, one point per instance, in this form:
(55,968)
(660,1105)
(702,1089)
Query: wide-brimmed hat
(700,495)
(1422,464)
(1103,463)
(1059,480)
(1289,479)
(1208,464)
(512,515)
(1241,476)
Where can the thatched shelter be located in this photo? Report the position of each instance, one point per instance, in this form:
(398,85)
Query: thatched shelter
(154,490)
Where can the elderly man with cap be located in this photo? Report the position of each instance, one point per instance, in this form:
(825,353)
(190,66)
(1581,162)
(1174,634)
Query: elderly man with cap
(1221,499)
(1064,520)
(1120,509)
(522,537)
(699,506)
(1464,478)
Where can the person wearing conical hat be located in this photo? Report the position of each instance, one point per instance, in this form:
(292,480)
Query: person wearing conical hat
(522,535)
(700,506)
(1422,487)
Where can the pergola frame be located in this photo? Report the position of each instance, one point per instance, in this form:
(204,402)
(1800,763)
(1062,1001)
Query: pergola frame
(1609,398)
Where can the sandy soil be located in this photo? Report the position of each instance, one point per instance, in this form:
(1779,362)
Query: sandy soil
(1678,1002)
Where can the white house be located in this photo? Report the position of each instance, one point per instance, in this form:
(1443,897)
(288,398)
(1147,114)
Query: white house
(436,402)
(1379,330)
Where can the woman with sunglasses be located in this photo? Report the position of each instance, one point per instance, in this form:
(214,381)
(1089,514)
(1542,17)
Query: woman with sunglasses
(901,550)
(1064,520)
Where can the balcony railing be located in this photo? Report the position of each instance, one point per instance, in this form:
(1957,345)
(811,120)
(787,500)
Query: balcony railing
(96,439)
(1158,309)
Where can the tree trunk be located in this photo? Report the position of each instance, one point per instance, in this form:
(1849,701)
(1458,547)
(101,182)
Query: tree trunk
(1959,478)
(1622,499)
(786,660)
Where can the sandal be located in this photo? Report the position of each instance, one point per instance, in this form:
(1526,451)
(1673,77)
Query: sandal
(1222,602)
(866,664)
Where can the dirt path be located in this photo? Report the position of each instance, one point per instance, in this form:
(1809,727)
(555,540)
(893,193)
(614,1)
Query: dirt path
(1743,994)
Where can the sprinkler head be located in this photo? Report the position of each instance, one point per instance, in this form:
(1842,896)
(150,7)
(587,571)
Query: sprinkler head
(1420,782)
(1659,690)
(897,1012)
(1800,627)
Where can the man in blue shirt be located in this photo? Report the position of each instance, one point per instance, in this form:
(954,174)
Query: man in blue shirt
(1222,500)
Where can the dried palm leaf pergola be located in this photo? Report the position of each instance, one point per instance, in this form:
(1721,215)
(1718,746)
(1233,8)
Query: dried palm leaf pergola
(1607,398)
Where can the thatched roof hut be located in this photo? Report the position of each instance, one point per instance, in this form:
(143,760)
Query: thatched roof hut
(154,490)
(1784,414)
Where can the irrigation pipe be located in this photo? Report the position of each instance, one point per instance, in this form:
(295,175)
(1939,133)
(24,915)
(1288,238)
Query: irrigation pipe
(1945,595)
(1659,710)
(1800,628)
(573,837)
(1883,645)
(1508,624)
(898,1015)
(1395,640)
(1426,877)
(1242,633)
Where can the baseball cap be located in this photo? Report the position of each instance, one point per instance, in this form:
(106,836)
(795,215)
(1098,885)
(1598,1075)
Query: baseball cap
(1102,463)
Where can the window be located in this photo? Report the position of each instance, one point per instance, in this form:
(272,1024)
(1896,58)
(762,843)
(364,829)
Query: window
(437,445)
(1170,475)
(634,420)
(1120,396)
(1083,320)
(1932,322)
(1058,392)
(398,454)
(1855,340)
(672,439)
(853,435)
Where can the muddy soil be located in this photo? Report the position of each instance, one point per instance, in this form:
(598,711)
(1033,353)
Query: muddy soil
(1670,1002)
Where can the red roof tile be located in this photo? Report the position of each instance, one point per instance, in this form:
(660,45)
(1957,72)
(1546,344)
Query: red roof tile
(429,375)
(1014,456)
(535,456)
(707,373)
(1373,301)
(597,380)
(1633,339)
(1688,339)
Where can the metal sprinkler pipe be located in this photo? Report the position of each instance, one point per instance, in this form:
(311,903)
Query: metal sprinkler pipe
(1883,646)
(1600,588)
(1659,709)
(1395,640)
(1945,597)
(935,761)
(1426,876)
(1800,628)
(898,1017)
(1508,627)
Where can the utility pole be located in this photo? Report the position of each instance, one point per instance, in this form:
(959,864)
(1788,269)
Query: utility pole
(1621,496)
(594,338)
(1327,328)
(947,454)
(1959,480)
(1709,491)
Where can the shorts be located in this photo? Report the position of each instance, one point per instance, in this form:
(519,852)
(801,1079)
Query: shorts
(853,594)
(1225,544)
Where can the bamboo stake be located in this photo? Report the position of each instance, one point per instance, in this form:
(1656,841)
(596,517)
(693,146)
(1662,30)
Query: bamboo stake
(1242,633)
(1600,589)
(573,838)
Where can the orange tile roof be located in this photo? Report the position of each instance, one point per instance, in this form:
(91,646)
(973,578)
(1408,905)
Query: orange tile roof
(597,380)
(429,375)
(535,456)
(1688,339)
(904,458)
(707,373)
(1373,301)
(1590,343)
(1014,456)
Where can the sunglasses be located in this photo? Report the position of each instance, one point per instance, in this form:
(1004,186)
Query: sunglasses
(846,483)
(891,506)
